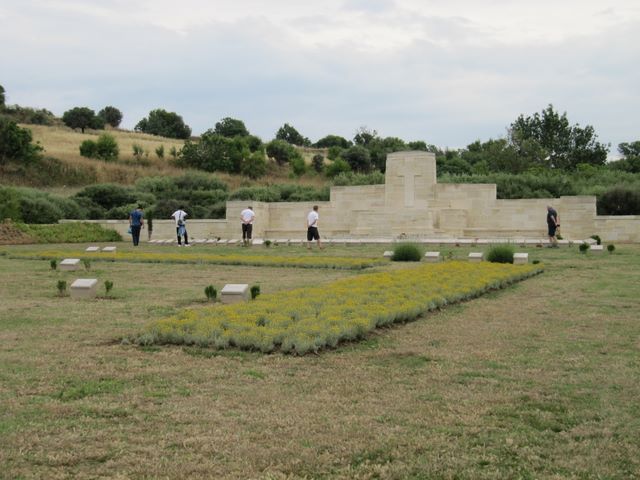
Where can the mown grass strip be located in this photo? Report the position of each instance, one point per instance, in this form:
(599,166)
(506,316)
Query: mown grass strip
(232,259)
(308,319)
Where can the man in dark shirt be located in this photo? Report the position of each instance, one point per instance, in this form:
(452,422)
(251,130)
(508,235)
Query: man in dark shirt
(553,223)
(136,222)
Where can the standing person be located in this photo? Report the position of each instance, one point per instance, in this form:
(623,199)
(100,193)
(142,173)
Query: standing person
(181,227)
(136,223)
(247,216)
(312,228)
(553,222)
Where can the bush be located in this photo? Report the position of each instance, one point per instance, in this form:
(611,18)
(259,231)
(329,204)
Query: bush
(16,143)
(406,252)
(9,204)
(611,248)
(255,291)
(39,210)
(597,239)
(583,248)
(108,286)
(53,264)
(89,149)
(619,201)
(211,292)
(318,163)
(62,288)
(336,168)
(500,254)
(298,166)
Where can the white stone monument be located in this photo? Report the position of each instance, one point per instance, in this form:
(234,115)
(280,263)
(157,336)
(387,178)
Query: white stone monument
(84,288)
(70,264)
(596,249)
(234,293)
(475,257)
(433,257)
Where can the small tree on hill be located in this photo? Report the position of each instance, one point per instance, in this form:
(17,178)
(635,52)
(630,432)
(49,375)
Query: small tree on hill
(16,143)
(231,127)
(292,136)
(82,117)
(165,124)
(111,115)
(281,151)
(2,98)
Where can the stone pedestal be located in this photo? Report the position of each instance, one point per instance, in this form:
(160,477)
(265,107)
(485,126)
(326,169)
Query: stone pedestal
(109,249)
(432,257)
(234,293)
(70,264)
(596,249)
(84,288)
(520,258)
(92,249)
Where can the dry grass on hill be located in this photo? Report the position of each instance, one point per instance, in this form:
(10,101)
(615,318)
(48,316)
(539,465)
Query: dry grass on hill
(63,144)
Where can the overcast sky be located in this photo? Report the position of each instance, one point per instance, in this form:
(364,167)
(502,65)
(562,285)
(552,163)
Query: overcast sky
(448,72)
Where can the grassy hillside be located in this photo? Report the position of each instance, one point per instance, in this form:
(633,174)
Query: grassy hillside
(63,170)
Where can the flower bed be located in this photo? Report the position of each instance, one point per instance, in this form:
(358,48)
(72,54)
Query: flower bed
(308,319)
(353,263)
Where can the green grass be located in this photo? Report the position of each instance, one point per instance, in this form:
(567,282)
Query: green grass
(538,381)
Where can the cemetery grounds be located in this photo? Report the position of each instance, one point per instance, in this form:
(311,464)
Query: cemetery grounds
(538,380)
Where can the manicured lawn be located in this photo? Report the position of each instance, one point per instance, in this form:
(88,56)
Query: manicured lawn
(539,380)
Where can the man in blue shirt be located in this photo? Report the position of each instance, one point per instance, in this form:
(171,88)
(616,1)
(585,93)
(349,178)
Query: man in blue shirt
(136,222)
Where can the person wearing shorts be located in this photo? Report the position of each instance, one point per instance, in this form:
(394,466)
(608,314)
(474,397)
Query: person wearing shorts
(552,223)
(312,228)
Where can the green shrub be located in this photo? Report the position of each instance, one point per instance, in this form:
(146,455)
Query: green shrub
(10,204)
(597,238)
(267,243)
(621,200)
(211,292)
(108,286)
(611,248)
(160,151)
(89,149)
(62,288)
(500,254)
(583,248)
(406,252)
(53,264)
(105,148)
(69,233)
(255,291)
(87,263)
(39,210)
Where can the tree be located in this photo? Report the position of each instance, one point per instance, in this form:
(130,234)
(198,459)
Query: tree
(82,117)
(111,115)
(281,151)
(231,127)
(164,124)
(358,158)
(631,157)
(332,141)
(566,146)
(290,135)
(2,98)
(16,143)
(216,152)
(318,163)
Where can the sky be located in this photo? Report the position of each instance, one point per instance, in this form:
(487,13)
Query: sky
(448,72)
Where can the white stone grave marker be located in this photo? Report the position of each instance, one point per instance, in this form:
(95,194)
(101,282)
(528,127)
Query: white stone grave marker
(84,288)
(475,257)
(234,293)
(596,249)
(432,257)
(92,249)
(110,249)
(70,264)
(520,258)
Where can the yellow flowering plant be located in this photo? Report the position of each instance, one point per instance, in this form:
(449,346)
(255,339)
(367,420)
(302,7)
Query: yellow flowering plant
(309,319)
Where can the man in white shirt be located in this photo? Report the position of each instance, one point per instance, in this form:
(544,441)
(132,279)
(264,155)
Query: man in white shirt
(181,227)
(312,228)
(247,216)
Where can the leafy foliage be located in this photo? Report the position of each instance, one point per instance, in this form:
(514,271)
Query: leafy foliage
(281,151)
(333,141)
(620,200)
(231,127)
(82,118)
(290,135)
(165,124)
(406,252)
(111,115)
(105,148)
(500,254)
(16,143)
